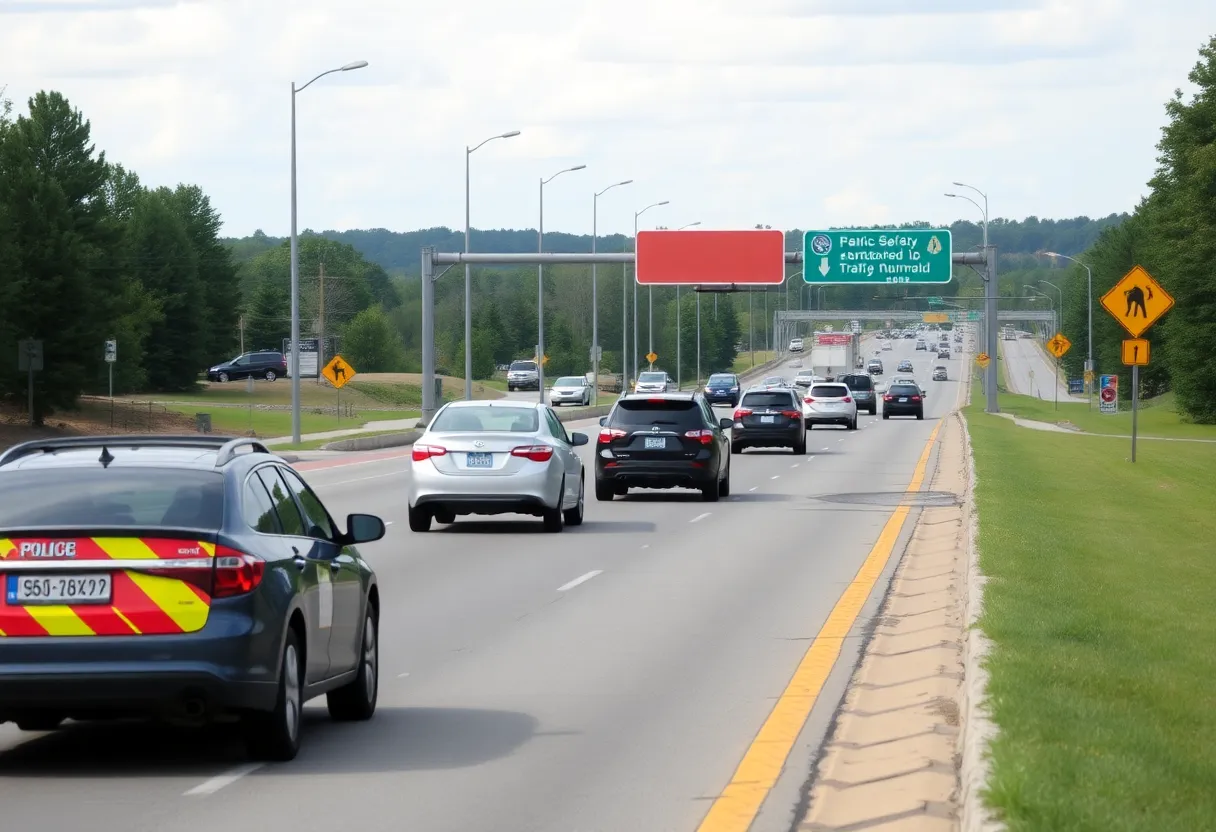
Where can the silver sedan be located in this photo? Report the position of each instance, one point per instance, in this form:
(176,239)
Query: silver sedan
(570,390)
(502,457)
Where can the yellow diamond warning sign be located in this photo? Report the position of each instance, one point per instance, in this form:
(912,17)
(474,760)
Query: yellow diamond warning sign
(338,372)
(1058,345)
(1137,301)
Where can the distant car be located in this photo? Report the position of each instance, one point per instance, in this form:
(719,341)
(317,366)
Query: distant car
(887,345)
(831,403)
(796,345)
(653,381)
(570,390)
(775,381)
(499,457)
(863,389)
(920,344)
(523,375)
(904,380)
(263,364)
(193,578)
(903,400)
(940,374)
(874,368)
(769,418)
(722,388)
(805,378)
(944,351)
(663,440)
(958,347)
(905,366)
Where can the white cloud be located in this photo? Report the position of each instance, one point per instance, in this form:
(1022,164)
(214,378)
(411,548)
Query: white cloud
(795,113)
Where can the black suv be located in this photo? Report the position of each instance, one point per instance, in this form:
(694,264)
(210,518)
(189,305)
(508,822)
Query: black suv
(722,388)
(769,418)
(903,400)
(265,364)
(862,387)
(663,440)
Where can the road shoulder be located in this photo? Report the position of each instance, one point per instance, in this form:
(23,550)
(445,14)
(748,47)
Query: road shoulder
(892,758)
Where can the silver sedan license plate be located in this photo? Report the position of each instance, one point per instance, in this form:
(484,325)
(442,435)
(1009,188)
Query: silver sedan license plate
(653,443)
(479,461)
(28,590)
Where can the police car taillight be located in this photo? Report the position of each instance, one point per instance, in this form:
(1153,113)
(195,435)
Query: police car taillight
(229,573)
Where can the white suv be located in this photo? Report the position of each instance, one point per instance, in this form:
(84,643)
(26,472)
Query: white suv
(796,345)
(829,403)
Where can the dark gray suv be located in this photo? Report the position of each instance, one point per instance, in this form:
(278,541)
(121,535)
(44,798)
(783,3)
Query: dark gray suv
(862,387)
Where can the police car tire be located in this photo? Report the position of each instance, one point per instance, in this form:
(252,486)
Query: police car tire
(272,736)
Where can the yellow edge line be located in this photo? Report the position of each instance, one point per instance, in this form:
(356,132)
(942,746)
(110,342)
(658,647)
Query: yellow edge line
(736,807)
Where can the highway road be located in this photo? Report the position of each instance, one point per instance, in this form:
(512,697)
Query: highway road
(611,677)
(1030,371)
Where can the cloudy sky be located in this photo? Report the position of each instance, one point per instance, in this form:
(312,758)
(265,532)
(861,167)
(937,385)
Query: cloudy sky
(795,113)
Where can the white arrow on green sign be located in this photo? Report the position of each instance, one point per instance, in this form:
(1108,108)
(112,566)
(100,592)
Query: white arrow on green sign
(885,255)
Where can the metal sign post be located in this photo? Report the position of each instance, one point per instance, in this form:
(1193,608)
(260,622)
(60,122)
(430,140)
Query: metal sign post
(29,359)
(1135,404)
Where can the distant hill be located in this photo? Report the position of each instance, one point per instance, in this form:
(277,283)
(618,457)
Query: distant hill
(399,252)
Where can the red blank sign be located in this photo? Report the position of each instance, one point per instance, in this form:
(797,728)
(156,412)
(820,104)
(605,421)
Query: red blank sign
(836,339)
(670,258)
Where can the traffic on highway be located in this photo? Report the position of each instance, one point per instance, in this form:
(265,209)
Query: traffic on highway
(613,676)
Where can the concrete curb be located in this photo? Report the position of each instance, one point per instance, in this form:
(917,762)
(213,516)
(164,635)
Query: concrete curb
(978,730)
(374,443)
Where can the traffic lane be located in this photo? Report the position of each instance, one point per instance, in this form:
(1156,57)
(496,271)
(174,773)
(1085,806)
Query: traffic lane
(689,641)
(1032,373)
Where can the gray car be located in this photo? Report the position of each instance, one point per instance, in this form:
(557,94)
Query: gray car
(500,457)
(570,390)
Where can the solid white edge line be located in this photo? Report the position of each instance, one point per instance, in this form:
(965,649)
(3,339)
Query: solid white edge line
(221,780)
(699,517)
(579,580)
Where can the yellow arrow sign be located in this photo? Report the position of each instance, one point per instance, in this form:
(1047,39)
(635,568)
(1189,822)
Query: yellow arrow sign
(1058,345)
(1136,352)
(1137,301)
(651,357)
(338,372)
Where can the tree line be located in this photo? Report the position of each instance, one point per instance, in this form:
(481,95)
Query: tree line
(1172,234)
(88,254)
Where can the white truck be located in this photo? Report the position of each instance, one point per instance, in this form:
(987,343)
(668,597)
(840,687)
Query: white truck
(832,354)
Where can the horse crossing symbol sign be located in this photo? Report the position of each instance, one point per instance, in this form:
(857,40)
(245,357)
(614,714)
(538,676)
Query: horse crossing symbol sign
(1137,301)
(338,372)
(1059,345)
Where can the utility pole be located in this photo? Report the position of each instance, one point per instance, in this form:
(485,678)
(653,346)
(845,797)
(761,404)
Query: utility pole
(242,326)
(321,320)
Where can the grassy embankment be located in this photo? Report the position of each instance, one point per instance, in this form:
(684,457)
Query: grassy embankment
(1099,604)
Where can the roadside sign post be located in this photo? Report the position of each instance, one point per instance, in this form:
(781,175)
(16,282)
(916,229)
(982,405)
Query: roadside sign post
(1137,302)
(1057,346)
(29,359)
(111,355)
(339,372)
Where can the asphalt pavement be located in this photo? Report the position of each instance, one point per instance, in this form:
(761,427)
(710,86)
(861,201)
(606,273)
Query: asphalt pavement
(1030,371)
(610,677)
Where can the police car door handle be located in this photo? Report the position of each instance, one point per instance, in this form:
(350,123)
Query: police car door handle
(299,560)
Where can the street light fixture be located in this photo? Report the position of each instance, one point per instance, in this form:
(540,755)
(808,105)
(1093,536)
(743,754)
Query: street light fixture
(637,214)
(295,257)
(1089,275)
(540,285)
(468,280)
(991,293)
(595,303)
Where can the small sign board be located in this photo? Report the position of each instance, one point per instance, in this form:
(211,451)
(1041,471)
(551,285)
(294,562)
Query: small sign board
(338,372)
(983,360)
(111,351)
(1108,394)
(651,357)
(1136,352)
(1137,301)
(29,355)
(1076,386)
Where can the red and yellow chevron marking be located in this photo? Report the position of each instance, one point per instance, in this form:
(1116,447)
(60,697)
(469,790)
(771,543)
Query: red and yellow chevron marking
(142,603)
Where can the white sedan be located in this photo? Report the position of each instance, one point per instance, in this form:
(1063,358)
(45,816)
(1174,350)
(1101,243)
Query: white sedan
(570,390)
(829,403)
(500,457)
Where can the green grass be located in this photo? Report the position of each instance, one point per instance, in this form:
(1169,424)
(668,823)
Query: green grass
(1099,604)
(318,444)
(743,361)
(1157,417)
(274,423)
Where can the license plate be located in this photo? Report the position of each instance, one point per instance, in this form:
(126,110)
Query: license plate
(31,590)
(479,461)
(655,444)
(903,398)
(766,420)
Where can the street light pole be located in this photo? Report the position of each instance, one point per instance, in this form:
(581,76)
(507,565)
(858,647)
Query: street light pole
(595,303)
(992,405)
(468,280)
(295,257)
(1089,349)
(637,214)
(540,286)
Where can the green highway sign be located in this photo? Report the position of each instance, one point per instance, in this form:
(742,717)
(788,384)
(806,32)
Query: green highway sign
(890,255)
(935,301)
